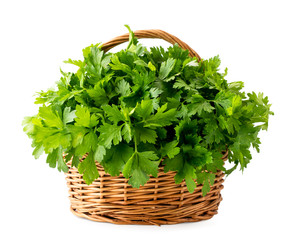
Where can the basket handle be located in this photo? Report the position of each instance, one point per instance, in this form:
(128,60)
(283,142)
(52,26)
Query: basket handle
(152,33)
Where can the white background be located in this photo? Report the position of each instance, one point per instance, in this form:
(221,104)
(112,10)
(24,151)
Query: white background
(251,38)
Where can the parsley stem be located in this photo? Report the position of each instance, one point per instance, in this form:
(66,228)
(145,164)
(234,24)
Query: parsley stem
(135,144)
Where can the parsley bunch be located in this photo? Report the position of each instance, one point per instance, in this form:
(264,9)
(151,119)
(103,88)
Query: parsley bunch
(137,109)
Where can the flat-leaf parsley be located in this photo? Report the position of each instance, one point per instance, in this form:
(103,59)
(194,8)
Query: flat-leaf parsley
(136,109)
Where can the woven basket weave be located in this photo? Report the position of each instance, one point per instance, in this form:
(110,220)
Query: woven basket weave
(160,201)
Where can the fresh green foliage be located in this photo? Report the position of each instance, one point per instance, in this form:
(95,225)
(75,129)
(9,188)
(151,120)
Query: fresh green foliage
(136,109)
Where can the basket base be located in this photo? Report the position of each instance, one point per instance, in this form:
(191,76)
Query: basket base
(188,213)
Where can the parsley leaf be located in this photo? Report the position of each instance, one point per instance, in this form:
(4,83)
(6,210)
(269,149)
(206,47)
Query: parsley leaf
(140,166)
(184,171)
(166,68)
(115,158)
(143,134)
(88,168)
(108,134)
(122,88)
(199,105)
(55,158)
(51,117)
(84,118)
(161,118)
(170,149)
(114,114)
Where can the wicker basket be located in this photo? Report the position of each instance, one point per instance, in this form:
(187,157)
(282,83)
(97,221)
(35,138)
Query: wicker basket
(160,201)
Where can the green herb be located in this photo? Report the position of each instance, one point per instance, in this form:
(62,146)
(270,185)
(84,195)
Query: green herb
(136,109)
